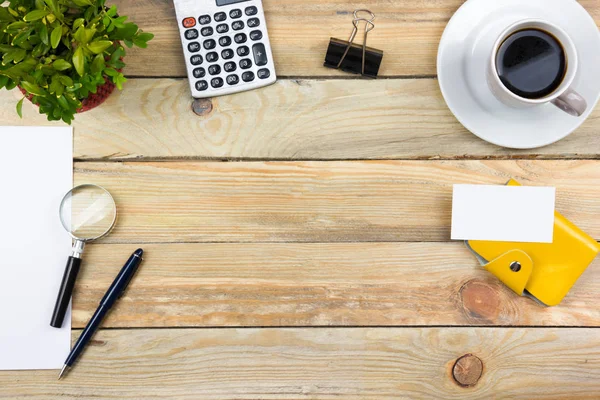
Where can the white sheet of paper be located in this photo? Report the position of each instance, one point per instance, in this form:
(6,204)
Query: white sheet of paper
(36,167)
(503,213)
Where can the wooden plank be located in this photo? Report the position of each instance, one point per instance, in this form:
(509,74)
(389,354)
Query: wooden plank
(323,364)
(334,119)
(318,284)
(408,31)
(367,201)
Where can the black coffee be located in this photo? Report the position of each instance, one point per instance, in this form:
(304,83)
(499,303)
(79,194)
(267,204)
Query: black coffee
(531,63)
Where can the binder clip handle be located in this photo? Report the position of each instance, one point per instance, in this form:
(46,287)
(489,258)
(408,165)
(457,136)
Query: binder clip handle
(369,26)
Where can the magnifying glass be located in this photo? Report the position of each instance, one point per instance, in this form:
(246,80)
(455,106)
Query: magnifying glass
(87,212)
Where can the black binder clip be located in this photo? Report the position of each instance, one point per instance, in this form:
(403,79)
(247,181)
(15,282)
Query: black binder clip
(350,57)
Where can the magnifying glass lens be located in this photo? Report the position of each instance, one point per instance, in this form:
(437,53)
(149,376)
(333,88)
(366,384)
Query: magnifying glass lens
(88,212)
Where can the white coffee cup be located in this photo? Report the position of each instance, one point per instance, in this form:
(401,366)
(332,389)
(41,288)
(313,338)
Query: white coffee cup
(563,97)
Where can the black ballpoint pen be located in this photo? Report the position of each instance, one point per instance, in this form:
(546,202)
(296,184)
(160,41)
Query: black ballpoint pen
(116,290)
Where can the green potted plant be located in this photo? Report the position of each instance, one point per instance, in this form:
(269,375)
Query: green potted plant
(66,56)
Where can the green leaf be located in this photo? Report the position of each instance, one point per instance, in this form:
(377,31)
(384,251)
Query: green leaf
(13,12)
(112,11)
(20,107)
(88,35)
(128,31)
(65,80)
(111,72)
(19,56)
(140,43)
(52,5)
(146,37)
(98,64)
(79,61)
(32,88)
(77,23)
(63,102)
(3,81)
(16,26)
(11,85)
(61,65)
(79,33)
(98,46)
(35,15)
(120,22)
(55,36)
(44,35)
(120,81)
(56,87)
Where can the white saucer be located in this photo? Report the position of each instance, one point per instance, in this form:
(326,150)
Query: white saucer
(462,59)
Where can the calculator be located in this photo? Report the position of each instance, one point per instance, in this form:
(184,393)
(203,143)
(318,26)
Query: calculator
(226,46)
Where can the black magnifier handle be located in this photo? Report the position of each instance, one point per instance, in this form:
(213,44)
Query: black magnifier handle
(65,292)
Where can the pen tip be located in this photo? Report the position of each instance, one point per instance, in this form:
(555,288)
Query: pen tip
(62,371)
(139,252)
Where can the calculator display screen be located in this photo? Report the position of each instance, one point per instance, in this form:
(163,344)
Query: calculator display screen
(227,2)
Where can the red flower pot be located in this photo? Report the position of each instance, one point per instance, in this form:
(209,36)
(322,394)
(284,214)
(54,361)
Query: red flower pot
(93,100)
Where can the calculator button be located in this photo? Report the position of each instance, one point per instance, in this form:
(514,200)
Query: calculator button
(207,31)
(196,59)
(191,34)
(232,79)
(201,86)
(216,82)
(204,19)
(263,73)
(240,38)
(209,44)
(250,11)
(212,56)
(245,63)
(253,22)
(220,17)
(229,66)
(214,69)
(243,51)
(224,41)
(256,35)
(248,76)
(237,25)
(260,54)
(189,22)
(236,13)
(199,72)
(227,54)
(222,28)
(194,47)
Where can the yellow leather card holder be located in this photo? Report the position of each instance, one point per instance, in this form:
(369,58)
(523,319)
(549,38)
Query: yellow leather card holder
(546,271)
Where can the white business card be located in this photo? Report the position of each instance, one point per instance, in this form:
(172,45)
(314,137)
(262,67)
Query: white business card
(503,213)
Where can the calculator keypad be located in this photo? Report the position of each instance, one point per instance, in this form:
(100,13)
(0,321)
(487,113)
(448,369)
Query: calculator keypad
(228,46)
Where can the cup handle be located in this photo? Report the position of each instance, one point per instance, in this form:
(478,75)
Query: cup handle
(571,102)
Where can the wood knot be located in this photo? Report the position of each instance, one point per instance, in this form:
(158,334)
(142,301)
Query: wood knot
(481,301)
(467,370)
(202,107)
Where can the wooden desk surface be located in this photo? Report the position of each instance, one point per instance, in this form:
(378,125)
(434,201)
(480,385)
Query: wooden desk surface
(297,237)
